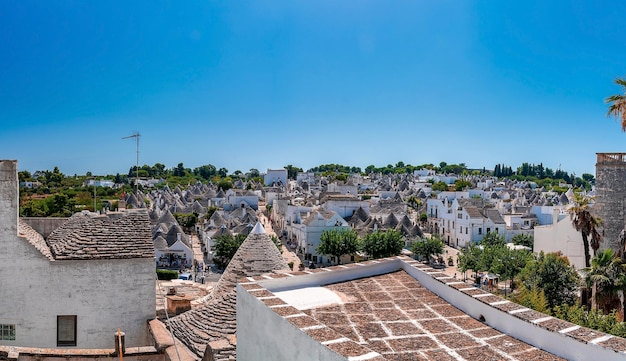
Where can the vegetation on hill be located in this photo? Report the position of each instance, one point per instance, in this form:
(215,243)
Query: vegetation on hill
(56,194)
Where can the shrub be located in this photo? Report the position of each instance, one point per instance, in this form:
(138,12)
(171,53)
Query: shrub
(166,274)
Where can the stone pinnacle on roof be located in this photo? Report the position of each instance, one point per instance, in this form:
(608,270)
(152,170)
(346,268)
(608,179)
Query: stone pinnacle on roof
(258,229)
(211,328)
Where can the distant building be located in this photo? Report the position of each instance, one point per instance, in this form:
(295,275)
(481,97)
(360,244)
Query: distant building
(275,177)
(99,183)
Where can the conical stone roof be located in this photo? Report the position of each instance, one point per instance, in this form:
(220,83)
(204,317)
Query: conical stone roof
(257,255)
(211,328)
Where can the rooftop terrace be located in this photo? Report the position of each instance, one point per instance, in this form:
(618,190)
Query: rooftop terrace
(399,309)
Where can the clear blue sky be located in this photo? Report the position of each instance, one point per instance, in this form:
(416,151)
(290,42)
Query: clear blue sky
(263,84)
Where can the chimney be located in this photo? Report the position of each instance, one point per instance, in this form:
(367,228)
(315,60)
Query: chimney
(120,342)
(9,194)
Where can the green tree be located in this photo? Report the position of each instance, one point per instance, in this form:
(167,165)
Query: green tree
(585,223)
(534,298)
(607,278)
(186,220)
(461,184)
(24,175)
(206,171)
(505,262)
(617,103)
(492,239)
(277,243)
(179,171)
(292,171)
(470,258)
(380,244)
(589,177)
(427,247)
(338,242)
(414,202)
(440,186)
(60,205)
(225,184)
(552,274)
(225,248)
(525,240)
(423,218)
(253,173)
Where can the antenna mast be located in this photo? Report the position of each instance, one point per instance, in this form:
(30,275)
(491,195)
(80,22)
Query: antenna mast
(136,136)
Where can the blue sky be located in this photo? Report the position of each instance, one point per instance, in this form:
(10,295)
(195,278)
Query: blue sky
(263,84)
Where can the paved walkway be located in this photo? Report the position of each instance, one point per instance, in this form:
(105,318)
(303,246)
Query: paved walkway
(288,254)
(451,270)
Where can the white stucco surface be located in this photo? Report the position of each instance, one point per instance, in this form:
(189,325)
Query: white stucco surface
(309,297)
(103,294)
(263,335)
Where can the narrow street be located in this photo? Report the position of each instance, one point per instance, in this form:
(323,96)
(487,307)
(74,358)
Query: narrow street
(288,254)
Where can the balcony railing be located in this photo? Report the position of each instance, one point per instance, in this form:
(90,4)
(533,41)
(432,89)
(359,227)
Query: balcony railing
(611,158)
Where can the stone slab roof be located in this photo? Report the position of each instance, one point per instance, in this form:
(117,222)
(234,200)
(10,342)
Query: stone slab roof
(33,237)
(119,235)
(214,323)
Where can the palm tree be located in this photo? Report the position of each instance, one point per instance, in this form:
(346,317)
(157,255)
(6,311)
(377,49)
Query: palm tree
(607,278)
(617,104)
(585,223)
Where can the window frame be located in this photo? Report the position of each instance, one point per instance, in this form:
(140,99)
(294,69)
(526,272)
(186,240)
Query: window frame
(8,329)
(74,322)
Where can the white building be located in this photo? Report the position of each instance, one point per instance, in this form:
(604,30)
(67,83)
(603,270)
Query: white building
(560,236)
(307,234)
(92,275)
(275,176)
(345,205)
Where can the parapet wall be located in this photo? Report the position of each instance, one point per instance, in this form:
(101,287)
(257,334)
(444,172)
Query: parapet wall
(44,225)
(279,321)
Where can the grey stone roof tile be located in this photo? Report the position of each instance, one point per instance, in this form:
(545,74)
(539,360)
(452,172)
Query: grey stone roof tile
(117,235)
(33,237)
(211,327)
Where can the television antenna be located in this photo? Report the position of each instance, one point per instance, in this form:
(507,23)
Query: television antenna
(136,136)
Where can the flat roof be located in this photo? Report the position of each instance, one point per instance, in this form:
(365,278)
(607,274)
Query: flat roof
(388,310)
(394,315)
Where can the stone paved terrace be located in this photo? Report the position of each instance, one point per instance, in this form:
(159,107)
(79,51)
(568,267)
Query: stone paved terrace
(392,315)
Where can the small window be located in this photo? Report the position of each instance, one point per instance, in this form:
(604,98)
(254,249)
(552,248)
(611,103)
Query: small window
(66,330)
(488,230)
(7,332)
(465,230)
(480,231)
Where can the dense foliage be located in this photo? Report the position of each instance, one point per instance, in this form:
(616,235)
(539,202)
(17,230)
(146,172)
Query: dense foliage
(427,247)
(525,240)
(166,274)
(554,276)
(225,247)
(380,244)
(338,242)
